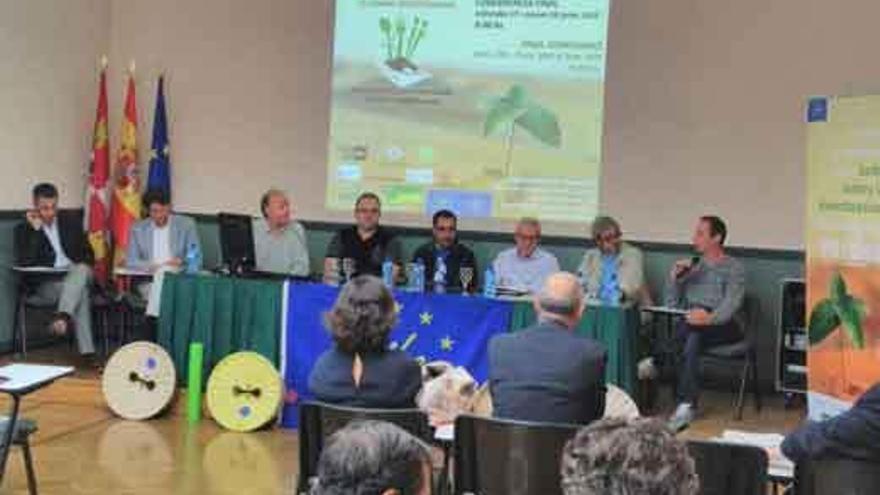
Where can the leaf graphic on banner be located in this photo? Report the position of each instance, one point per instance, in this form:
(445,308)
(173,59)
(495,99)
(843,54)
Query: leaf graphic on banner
(851,312)
(837,290)
(823,321)
(838,310)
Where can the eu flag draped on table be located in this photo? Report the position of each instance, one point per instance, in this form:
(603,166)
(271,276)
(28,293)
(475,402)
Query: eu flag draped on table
(431,327)
(160,158)
(126,206)
(96,193)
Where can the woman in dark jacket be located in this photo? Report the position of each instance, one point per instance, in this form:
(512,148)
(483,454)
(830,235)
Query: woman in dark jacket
(360,370)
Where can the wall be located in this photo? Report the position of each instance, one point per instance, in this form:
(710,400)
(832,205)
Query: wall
(704,104)
(48,91)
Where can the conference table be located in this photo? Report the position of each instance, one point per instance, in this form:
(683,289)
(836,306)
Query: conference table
(228,314)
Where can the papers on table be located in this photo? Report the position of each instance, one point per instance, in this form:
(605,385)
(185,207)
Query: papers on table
(40,269)
(132,272)
(669,310)
(445,433)
(779,465)
(20,377)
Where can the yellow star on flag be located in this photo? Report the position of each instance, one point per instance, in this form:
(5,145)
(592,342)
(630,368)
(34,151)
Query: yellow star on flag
(446,343)
(426,318)
(398,307)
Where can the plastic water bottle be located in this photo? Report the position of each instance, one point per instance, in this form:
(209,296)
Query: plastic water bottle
(612,295)
(420,275)
(388,273)
(440,275)
(193,259)
(489,283)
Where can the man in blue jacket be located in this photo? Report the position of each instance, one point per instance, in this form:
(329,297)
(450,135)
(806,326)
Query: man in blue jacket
(854,434)
(546,373)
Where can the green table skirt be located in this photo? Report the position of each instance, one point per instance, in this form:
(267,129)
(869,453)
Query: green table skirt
(616,327)
(225,314)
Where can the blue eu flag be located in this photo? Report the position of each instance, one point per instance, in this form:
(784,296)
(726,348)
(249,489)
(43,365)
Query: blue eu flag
(160,157)
(431,327)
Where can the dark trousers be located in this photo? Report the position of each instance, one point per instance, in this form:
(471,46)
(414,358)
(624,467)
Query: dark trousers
(691,341)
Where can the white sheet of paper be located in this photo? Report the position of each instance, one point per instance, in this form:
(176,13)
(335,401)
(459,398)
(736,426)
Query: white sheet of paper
(21,376)
(779,465)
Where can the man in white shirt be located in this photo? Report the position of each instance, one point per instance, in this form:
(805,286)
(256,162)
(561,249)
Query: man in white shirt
(526,266)
(279,241)
(158,244)
(51,238)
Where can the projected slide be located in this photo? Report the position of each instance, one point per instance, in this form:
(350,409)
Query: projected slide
(492,108)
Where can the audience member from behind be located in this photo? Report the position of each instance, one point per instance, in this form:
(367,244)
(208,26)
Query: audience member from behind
(55,239)
(279,241)
(525,266)
(627,456)
(360,370)
(853,434)
(613,270)
(545,372)
(711,288)
(373,458)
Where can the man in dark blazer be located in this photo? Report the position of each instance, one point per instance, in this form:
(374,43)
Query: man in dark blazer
(455,255)
(546,373)
(854,434)
(51,238)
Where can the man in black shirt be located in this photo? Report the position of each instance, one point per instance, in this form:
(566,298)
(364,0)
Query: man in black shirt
(446,254)
(366,243)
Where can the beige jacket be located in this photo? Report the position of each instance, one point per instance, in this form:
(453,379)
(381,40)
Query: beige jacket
(630,273)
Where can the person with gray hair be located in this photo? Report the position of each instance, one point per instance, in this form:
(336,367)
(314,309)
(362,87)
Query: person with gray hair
(545,372)
(627,456)
(525,266)
(373,458)
(613,270)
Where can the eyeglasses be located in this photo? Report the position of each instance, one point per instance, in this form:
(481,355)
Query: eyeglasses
(367,210)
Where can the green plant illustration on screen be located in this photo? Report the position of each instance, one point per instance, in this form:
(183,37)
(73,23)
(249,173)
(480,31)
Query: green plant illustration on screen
(516,110)
(839,309)
(401,43)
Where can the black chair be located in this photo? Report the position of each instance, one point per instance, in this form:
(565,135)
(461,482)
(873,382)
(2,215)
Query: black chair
(20,436)
(505,457)
(726,469)
(837,476)
(742,355)
(26,300)
(318,420)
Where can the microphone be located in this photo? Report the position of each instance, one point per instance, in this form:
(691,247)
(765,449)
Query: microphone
(688,269)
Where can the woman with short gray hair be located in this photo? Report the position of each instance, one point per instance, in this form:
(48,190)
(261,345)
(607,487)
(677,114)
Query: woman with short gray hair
(627,457)
(373,458)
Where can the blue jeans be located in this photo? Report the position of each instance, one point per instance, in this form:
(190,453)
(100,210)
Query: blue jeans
(691,341)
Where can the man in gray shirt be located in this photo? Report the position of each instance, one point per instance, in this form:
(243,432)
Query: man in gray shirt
(711,287)
(279,241)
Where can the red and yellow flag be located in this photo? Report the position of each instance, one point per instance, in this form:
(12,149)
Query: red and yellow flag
(96,194)
(126,205)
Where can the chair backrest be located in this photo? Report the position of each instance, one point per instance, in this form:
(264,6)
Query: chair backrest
(318,420)
(236,241)
(504,457)
(838,476)
(727,469)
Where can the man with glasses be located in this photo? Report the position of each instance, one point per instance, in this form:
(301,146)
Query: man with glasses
(526,266)
(444,257)
(366,244)
(613,271)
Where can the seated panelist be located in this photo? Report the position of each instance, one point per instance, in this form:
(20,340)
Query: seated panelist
(52,238)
